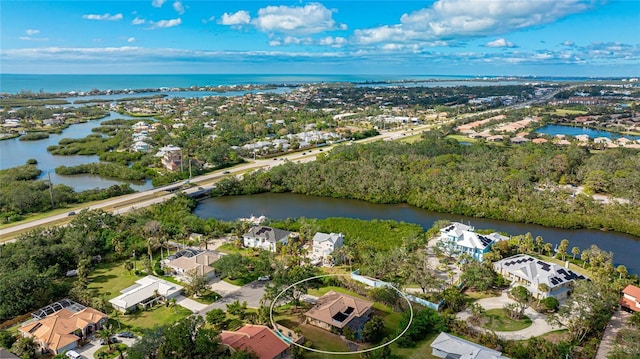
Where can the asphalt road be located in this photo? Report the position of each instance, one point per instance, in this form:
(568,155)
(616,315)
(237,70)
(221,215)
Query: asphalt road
(250,293)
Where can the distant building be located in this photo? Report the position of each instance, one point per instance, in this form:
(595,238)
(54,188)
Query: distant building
(451,347)
(171,157)
(457,238)
(61,331)
(258,339)
(631,298)
(530,273)
(265,237)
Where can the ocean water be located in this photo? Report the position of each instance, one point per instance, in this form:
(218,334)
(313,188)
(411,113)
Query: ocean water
(15,83)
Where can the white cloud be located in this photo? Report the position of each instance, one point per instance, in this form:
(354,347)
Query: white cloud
(29,38)
(568,43)
(103,17)
(337,41)
(211,18)
(275,43)
(238,18)
(292,40)
(499,43)
(157,3)
(131,39)
(178,7)
(31,32)
(137,21)
(163,24)
(447,19)
(309,19)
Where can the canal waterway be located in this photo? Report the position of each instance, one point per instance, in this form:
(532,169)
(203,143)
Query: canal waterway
(14,152)
(626,248)
(553,130)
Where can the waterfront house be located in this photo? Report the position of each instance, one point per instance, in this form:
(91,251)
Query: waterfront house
(325,244)
(449,346)
(62,330)
(146,292)
(631,298)
(258,339)
(265,237)
(530,273)
(458,238)
(337,311)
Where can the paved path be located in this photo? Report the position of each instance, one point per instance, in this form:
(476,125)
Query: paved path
(617,322)
(539,325)
(190,304)
(251,293)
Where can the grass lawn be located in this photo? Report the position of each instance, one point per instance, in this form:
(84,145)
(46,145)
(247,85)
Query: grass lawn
(320,338)
(561,111)
(462,138)
(109,279)
(412,138)
(473,296)
(158,315)
(208,297)
(115,353)
(422,350)
(499,321)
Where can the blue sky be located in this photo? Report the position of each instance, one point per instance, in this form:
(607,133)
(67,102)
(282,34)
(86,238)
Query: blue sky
(454,37)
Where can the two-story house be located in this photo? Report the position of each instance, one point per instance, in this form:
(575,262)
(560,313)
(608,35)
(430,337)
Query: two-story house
(325,244)
(265,237)
(457,238)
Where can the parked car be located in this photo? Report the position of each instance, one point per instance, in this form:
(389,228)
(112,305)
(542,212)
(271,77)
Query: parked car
(73,354)
(226,172)
(126,335)
(72,213)
(263,278)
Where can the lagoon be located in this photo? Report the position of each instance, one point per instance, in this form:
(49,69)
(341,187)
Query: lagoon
(288,205)
(553,130)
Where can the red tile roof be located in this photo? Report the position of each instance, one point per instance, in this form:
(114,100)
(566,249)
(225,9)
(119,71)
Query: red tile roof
(257,338)
(629,304)
(632,290)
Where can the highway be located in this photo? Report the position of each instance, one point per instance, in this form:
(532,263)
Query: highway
(136,200)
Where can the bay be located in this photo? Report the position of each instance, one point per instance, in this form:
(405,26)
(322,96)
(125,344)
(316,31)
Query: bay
(626,248)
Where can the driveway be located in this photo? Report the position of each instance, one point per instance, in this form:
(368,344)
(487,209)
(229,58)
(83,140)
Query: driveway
(221,287)
(190,304)
(617,322)
(250,293)
(539,325)
(89,349)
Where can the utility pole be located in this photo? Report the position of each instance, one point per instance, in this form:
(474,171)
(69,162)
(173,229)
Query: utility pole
(50,189)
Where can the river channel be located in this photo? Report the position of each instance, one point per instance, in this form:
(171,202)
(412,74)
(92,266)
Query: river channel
(626,248)
(14,152)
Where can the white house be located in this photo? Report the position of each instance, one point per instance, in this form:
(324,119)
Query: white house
(325,244)
(631,298)
(457,238)
(141,146)
(530,273)
(265,237)
(450,346)
(146,291)
(201,264)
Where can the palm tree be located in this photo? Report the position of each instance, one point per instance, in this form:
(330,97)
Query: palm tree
(542,288)
(585,258)
(105,333)
(622,270)
(539,244)
(575,251)
(547,248)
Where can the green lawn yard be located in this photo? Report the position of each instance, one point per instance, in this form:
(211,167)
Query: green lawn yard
(159,315)
(500,322)
(109,279)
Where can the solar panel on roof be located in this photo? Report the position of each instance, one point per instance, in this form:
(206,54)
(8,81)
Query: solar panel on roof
(340,317)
